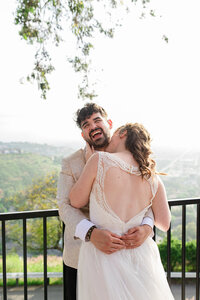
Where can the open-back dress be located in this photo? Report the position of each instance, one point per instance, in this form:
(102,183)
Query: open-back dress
(128,274)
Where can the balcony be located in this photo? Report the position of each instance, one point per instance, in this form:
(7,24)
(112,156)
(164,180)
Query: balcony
(182,275)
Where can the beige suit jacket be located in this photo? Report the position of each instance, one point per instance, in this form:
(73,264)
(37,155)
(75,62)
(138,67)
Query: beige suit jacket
(72,167)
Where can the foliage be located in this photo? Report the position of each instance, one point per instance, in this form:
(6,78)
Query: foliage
(14,264)
(191,256)
(176,223)
(43,22)
(190,231)
(176,255)
(18,170)
(40,196)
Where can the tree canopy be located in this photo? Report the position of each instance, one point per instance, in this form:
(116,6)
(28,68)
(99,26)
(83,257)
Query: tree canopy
(48,22)
(40,195)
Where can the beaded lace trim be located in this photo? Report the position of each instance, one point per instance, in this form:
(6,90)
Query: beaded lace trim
(107,160)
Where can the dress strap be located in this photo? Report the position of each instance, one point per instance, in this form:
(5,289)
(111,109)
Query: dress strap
(103,165)
(153,180)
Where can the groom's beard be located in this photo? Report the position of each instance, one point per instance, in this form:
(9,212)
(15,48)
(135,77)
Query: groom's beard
(100,143)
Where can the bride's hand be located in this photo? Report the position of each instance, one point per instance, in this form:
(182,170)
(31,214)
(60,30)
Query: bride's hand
(136,236)
(106,241)
(89,150)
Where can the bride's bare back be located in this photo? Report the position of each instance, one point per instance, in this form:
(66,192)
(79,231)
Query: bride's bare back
(126,194)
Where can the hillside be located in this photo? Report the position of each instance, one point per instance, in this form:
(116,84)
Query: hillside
(183,173)
(20,162)
(18,170)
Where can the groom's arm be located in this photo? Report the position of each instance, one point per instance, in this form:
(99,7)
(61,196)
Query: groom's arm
(148,218)
(68,214)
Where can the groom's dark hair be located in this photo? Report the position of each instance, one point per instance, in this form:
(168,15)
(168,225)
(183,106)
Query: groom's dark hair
(88,110)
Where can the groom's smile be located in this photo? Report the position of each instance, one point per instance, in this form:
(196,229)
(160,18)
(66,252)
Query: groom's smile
(96,131)
(96,134)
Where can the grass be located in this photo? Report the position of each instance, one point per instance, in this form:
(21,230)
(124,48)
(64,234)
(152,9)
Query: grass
(14,263)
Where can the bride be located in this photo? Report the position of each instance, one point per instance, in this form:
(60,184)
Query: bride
(121,185)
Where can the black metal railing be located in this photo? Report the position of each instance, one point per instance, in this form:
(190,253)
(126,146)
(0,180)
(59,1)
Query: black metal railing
(183,203)
(24,216)
(53,213)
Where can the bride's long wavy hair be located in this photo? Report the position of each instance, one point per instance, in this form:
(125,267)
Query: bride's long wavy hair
(138,142)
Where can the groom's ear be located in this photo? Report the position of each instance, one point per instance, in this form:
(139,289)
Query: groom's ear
(110,123)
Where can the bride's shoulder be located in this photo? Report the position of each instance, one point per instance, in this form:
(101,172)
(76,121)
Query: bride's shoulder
(106,155)
(96,156)
(102,154)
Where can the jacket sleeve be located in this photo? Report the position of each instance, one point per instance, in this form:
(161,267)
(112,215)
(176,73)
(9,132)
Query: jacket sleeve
(69,215)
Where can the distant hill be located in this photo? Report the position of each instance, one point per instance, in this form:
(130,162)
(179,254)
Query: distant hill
(21,163)
(17,171)
(42,149)
(183,172)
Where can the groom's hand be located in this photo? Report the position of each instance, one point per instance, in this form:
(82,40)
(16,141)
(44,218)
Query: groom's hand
(136,236)
(106,241)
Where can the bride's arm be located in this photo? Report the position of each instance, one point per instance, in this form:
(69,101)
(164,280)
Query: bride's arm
(80,192)
(162,215)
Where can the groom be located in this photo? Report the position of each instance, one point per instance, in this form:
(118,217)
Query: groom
(93,121)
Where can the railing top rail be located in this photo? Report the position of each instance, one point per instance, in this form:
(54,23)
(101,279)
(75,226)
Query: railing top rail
(54,212)
(186,201)
(28,214)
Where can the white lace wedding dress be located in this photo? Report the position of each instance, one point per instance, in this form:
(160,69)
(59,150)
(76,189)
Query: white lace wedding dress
(129,274)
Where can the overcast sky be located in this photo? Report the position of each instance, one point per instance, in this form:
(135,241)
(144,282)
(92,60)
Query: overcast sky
(144,79)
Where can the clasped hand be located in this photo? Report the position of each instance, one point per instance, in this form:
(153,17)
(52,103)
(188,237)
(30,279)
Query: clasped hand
(108,242)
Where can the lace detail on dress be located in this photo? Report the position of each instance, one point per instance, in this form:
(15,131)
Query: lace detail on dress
(103,166)
(107,160)
(116,161)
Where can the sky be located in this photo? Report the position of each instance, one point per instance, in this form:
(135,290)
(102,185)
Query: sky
(140,78)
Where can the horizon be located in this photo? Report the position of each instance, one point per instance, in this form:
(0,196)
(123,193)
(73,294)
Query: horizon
(81,144)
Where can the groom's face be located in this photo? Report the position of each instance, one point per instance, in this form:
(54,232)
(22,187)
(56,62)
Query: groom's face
(96,131)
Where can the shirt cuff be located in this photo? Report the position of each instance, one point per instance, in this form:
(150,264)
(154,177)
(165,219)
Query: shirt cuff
(82,229)
(148,221)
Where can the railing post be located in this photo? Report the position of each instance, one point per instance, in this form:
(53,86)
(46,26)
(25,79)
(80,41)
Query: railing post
(183,251)
(169,254)
(64,269)
(154,231)
(4,260)
(64,281)
(25,259)
(45,256)
(198,252)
